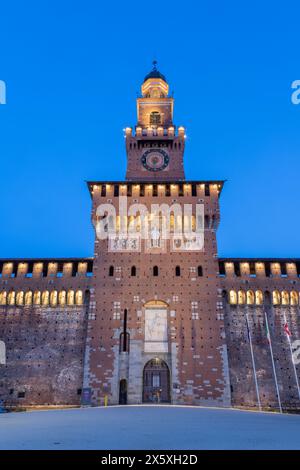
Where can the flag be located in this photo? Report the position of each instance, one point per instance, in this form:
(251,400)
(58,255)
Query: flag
(286,329)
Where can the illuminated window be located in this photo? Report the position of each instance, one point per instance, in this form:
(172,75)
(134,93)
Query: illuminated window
(294,298)
(37,298)
(53,298)
(70,297)
(241,297)
(155,118)
(276,297)
(259,298)
(20,298)
(11,298)
(28,298)
(79,297)
(285,298)
(250,297)
(45,298)
(3,296)
(232,297)
(62,297)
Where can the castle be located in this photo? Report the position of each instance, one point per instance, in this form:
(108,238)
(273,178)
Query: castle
(151,318)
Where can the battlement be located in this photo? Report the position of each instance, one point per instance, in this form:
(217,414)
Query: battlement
(38,268)
(200,189)
(271,268)
(155,132)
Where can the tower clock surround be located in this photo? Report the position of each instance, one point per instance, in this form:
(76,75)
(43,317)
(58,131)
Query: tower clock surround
(155,159)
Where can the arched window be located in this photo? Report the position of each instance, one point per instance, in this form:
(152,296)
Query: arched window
(62,297)
(3,296)
(45,298)
(124,342)
(20,298)
(37,298)
(155,270)
(276,297)
(28,298)
(285,298)
(294,298)
(241,297)
(11,298)
(124,336)
(250,297)
(259,297)
(267,297)
(111,271)
(70,297)
(155,118)
(79,297)
(232,297)
(133,271)
(53,298)
(177,271)
(200,271)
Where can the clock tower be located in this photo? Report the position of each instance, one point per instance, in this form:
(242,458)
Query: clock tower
(155,147)
(155,329)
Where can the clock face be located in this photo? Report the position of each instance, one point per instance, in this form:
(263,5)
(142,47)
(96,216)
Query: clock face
(155,159)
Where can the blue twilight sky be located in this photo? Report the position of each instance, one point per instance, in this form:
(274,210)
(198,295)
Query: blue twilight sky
(72,70)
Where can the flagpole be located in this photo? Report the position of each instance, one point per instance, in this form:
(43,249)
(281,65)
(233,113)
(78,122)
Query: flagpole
(294,367)
(273,364)
(253,363)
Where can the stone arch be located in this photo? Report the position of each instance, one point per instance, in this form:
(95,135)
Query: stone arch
(123,392)
(156,381)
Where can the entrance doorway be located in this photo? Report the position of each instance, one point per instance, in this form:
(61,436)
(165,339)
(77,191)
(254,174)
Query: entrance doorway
(123,392)
(156,382)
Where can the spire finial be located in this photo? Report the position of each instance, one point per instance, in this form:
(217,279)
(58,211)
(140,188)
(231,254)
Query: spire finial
(154,65)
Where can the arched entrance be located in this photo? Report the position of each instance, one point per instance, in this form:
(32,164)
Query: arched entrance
(123,392)
(156,382)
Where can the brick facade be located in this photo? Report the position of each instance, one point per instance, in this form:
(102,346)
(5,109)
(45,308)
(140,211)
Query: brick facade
(153,322)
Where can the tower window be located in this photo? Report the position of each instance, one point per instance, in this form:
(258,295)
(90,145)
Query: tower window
(206,190)
(111,271)
(200,271)
(155,118)
(133,271)
(155,270)
(177,271)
